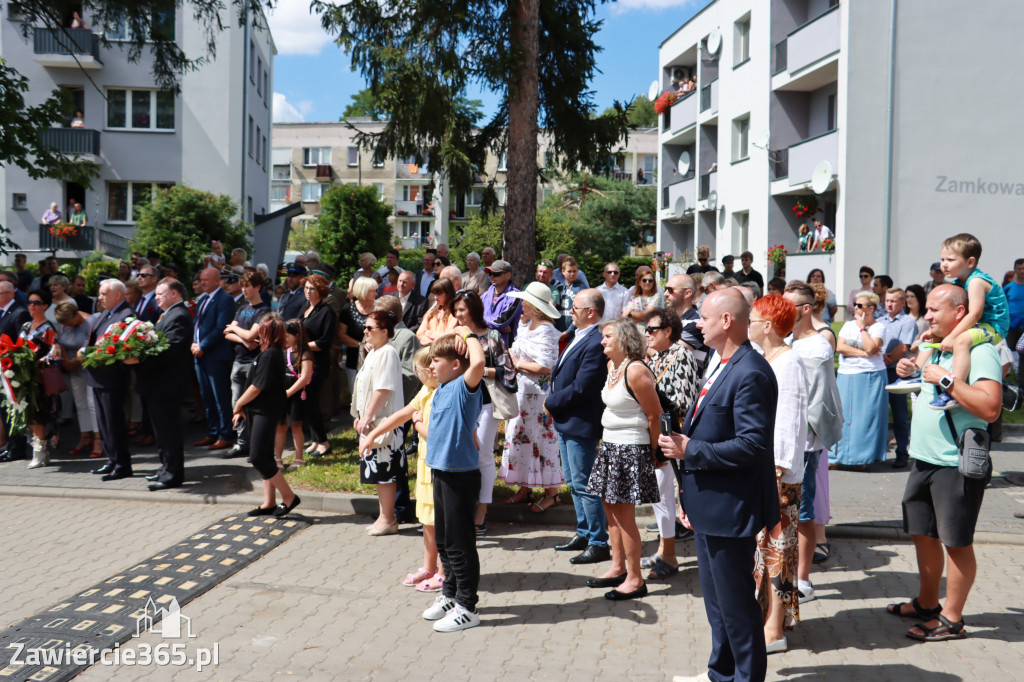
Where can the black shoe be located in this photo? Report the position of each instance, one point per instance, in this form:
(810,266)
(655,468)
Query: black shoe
(282,510)
(606,582)
(105,469)
(261,511)
(1018,515)
(682,532)
(591,555)
(235,452)
(117,474)
(160,485)
(615,595)
(13,454)
(900,462)
(153,477)
(577,543)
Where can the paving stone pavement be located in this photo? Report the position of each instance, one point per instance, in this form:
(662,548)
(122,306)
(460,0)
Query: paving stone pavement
(328,605)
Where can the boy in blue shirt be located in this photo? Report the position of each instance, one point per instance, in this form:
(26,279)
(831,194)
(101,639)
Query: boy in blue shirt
(988,315)
(457,360)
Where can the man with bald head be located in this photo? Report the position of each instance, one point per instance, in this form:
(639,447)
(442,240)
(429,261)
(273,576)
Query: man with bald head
(680,290)
(727,485)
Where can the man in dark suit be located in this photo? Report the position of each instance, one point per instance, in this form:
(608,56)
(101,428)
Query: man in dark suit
(414,306)
(292,301)
(213,355)
(727,485)
(574,402)
(160,383)
(110,386)
(12,316)
(146,308)
(425,277)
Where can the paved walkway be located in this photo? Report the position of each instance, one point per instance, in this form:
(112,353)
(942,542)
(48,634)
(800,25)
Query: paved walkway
(327,605)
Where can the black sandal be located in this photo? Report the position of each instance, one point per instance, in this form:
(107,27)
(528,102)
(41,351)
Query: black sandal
(944,631)
(919,611)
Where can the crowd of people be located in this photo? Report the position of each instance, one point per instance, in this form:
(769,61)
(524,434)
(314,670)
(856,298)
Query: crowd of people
(716,403)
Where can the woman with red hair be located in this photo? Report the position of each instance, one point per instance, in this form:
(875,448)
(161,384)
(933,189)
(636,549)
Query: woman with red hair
(775,575)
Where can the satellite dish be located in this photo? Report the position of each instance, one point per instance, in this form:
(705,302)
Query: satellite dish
(684,163)
(821,178)
(652,91)
(761,138)
(680,207)
(714,40)
(712,200)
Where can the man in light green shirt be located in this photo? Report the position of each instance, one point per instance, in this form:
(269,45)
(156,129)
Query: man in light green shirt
(940,505)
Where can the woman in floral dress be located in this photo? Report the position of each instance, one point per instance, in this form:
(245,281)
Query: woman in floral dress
(530,458)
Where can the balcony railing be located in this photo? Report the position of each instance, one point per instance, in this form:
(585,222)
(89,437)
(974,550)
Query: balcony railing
(781,55)
(780,163)
(83,241)
(324,172)
(80,42)
(72,141)
(684,111)
(113,244)
(809,42)
(804,156)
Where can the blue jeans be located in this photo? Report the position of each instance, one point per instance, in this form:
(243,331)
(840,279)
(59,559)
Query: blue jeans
(578,455)
(900,416)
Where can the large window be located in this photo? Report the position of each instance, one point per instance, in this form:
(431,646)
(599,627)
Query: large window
(283,172)
(312,191)
(280,191)
(125,198)
(410,192)
(741,41)
(161,26)
(475,196)
(140,109)
(353,156)
(315,156)
(740,137)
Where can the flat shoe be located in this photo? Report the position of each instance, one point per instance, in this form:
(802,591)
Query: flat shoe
(662,569)
(260,511)
(614,581)
(778,646)
(283,510)
(389,529)
(649,561)
(945,630)
(432,584)
(822,550)
(918,612)
(539,507)
(414,579)
(615,595)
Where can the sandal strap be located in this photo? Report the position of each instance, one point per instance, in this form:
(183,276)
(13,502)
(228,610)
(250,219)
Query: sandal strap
(923,612)
(953,628)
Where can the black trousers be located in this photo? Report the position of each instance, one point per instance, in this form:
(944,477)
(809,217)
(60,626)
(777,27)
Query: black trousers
(455,498)
(263,429)
(168,429)
(112,426)
(314,409)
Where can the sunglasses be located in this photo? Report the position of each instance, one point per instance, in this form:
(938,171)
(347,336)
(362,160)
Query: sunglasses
(611,272)
(146,274)
(370,329)
(647,280)
(36,303)
(865,275)
(860,306)
(654,328)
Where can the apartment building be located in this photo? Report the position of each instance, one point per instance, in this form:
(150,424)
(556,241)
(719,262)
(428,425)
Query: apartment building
(854,109)
(309,157)
(214,135)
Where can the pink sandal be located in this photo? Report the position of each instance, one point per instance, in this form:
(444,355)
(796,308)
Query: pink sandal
(431,584)
(414,579)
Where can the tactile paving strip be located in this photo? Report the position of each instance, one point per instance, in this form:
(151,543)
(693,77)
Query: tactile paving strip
(114,611)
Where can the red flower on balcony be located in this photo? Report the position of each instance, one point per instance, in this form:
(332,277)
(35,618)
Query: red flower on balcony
(664,101)
(63,230)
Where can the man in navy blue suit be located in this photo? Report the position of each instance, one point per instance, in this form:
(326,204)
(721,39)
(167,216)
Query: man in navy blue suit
(110,386)
(213,355)
(574,402)
(727,486)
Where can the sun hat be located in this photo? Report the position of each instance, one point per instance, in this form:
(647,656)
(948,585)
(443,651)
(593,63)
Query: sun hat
(538,295)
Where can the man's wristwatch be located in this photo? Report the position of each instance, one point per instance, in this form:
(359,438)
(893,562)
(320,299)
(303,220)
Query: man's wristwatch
(947,381)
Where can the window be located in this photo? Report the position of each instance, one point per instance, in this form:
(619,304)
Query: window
(282,172)
(315,156)
(475,196)
(264,152)
(259,72)
(379,186)
(19,202)
(280,192)
(502,162)
(161,27)
(353,156)
(410,192)
(252,133)
(252,61)
(140,109)
(259,135)
(741,41)
(501,195)
(265,89)
(15,12)
(740,135)
(312,191)
(740,230)
(831,112)
(248,212)
(125,198)
(410,228)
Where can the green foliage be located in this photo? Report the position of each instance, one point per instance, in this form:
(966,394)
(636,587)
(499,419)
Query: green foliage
(363,104)
(353,220)
(92,274)
(477,234)
(69,270)
(94,257)
(640,112)
(180,222)
(305,237)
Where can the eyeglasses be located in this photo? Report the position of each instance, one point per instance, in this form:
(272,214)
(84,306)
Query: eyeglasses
(498,274)
(146,274)
(36,303)
(865,275)
(647,280)
(655,328)
(611,272)
(703,260)
(579,310)
(368,328)
(860,306)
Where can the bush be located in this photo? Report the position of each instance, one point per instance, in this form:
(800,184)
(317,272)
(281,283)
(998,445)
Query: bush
(92,274)
(353,220)
(69,270)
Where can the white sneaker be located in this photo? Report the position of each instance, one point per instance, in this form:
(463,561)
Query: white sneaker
(806,591)
(911,384)
(441,606)
(459,618)
(703,677)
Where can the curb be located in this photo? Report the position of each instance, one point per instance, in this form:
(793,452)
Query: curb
(366,505)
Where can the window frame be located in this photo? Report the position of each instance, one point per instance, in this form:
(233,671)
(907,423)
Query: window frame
(741,38)
(273,172)
(129,108)
(319,192)
(154,187)
(307,153)
(741,137)
(349,161)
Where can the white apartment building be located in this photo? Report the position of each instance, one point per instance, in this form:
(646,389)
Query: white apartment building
(309,157)
(214,136)
(858,107)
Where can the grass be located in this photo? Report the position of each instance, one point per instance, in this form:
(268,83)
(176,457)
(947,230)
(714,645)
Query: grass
(338,471)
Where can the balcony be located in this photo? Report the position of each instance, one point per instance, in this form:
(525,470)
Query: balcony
(805,155)
(709,97)
(779,159)
(684,113)
(708,184)
(71,47)
(72,141)
(324,172)
(85,240)
(412,171)
(684,189)
(808,44)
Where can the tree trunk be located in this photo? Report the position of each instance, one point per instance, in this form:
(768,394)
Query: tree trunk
(520,238)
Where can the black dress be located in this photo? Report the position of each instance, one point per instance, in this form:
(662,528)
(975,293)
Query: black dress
(264,412)
(354,322)
(321,326)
